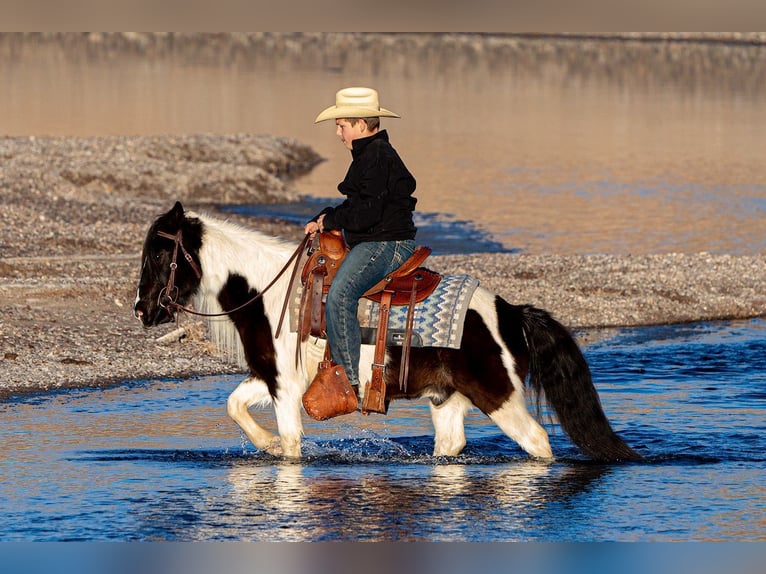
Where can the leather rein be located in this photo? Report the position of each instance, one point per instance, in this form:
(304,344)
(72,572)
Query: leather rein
(169,293)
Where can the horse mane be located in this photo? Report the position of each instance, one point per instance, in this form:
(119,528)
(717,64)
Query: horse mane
(231,248)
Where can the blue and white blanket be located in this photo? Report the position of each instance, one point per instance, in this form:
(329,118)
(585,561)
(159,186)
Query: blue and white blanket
(438,320)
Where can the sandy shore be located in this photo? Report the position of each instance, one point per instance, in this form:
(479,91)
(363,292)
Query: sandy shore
(75,212)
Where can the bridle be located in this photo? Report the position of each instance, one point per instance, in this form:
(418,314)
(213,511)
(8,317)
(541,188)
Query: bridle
(168,296)
(169,293)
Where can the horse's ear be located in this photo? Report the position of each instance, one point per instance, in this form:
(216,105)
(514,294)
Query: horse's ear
(176,215)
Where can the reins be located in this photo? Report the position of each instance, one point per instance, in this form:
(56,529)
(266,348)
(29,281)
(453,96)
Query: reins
(169,293)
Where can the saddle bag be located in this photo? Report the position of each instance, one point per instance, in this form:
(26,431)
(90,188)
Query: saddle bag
(329,394)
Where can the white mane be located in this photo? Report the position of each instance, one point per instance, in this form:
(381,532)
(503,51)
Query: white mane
(228,248)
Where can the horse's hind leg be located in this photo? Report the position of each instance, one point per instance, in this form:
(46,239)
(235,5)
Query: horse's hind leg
(249,392)
(514,420)
(449,427)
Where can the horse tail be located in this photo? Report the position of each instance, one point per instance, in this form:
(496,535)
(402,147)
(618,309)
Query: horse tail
(559,373)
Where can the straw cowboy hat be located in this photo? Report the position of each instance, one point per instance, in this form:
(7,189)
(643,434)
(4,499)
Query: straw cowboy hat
(355,103)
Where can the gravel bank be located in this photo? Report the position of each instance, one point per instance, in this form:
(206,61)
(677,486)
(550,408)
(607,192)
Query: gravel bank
(75,211)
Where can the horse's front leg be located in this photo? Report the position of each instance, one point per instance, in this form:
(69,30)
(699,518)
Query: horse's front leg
(251,392)
(288,411)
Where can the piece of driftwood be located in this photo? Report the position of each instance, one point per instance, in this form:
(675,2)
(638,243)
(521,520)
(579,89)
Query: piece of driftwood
(172,337)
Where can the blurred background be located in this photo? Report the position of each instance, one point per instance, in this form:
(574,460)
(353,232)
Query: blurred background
(549,143)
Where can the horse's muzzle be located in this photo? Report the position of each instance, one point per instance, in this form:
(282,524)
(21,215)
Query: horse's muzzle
(148,319)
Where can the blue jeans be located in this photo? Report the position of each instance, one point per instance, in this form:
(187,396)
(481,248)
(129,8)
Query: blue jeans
(365,265)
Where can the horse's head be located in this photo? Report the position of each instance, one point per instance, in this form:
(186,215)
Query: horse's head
(170,268)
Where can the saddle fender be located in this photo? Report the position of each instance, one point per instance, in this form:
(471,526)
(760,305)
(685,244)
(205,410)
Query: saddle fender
(408,284)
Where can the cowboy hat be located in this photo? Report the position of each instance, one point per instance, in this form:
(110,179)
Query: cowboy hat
(355,103)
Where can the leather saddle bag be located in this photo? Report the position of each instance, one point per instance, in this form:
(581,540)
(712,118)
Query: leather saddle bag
(329,394)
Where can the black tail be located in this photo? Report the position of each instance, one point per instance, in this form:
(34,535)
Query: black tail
(559,373)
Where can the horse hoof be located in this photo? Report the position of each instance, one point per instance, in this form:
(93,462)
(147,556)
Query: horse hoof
(275,447)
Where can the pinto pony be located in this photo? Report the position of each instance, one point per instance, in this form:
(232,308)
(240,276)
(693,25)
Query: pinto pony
(233,272)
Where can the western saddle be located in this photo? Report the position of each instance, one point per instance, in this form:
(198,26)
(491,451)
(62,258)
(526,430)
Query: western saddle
(407,285)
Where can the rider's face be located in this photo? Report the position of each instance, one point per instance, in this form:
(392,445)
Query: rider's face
(348,133)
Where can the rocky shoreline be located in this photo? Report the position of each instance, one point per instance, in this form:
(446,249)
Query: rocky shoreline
(75,211)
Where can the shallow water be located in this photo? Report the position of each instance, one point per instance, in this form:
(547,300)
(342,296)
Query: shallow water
(445,235)
(159,460)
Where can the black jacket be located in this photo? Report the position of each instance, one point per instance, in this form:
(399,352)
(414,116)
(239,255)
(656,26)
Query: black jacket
(378,189)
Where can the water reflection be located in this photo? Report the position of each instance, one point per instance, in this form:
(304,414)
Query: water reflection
(411,502)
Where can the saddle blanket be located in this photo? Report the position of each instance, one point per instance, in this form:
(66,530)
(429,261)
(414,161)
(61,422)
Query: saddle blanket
(438,320)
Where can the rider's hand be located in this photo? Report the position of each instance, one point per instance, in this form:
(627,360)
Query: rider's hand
(311,229)
(313,226)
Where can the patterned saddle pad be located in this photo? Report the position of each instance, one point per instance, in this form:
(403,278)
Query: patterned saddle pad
(438,320)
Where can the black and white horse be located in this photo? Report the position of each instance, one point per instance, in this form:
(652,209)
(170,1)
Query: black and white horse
(218,265)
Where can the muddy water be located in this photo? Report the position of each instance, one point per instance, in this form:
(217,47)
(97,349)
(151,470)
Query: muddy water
(544,162)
